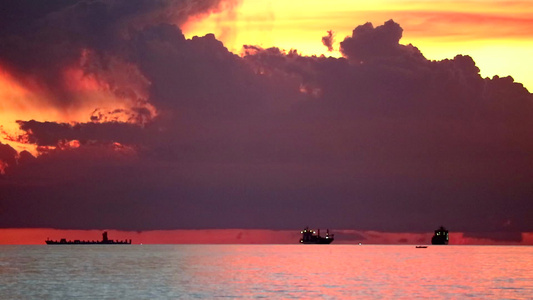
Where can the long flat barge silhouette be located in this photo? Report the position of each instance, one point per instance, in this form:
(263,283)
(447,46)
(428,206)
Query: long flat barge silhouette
(105,241)
(309,236)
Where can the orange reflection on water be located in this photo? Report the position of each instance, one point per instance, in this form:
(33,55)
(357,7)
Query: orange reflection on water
(351,271)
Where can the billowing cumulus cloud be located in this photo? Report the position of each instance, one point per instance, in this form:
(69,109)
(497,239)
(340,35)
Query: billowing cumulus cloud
(64,47)
(381,139)
(368,43)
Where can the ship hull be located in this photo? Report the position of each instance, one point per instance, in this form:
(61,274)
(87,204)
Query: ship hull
(104,241)
(86,243)
(438,240)
(321,242)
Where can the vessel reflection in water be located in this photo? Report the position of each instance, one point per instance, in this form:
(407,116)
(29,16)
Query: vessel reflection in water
(311,237)
(105,241)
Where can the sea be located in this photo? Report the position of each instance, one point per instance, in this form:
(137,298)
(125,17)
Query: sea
(265,271)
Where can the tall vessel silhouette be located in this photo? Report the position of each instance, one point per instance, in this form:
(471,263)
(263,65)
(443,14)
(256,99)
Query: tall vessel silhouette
(440,237)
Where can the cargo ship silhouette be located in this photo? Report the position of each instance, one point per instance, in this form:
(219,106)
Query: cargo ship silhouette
(311,237)
(105,241)
(440,237)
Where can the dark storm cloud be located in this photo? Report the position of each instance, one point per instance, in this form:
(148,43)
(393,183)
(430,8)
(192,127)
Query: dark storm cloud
(8,157)
(51,133)
(41,38)
(381,139)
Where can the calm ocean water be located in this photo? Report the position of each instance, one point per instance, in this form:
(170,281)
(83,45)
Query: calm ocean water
(265,271)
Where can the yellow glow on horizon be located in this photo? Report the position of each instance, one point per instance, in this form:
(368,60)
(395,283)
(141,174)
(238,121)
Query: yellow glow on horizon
(502,30)
(37,236)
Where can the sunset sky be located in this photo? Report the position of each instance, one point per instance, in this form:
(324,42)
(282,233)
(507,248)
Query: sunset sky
(497,34)
(381,120)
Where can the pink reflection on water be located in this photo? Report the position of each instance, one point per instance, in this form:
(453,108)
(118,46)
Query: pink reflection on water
(348,271)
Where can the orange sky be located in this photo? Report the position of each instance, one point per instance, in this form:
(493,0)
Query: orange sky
(497,34)
(31,101)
